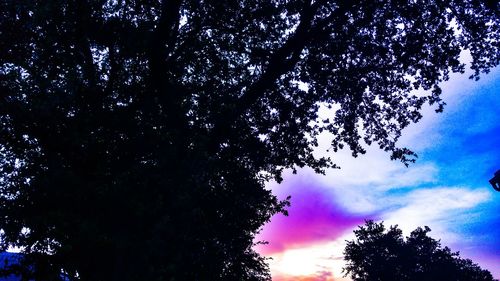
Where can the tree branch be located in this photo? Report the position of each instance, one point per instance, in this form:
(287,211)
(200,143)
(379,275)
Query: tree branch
(281,61)
(82,41)
(165,33)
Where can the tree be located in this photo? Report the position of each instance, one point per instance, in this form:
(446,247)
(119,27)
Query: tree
(383,254)
(136,136)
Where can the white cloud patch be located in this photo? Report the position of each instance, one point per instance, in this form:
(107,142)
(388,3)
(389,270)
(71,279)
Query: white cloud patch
(362,183)
(441,208)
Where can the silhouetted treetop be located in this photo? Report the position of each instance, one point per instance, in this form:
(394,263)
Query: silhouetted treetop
(148,128)
(383,254)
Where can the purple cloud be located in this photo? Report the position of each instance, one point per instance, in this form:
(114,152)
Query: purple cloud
(314,216)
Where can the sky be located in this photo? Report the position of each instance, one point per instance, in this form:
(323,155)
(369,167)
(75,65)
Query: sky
(447,189)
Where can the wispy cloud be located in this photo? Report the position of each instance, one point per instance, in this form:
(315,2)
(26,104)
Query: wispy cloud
(441,208)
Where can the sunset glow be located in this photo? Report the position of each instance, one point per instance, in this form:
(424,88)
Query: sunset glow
(446,189)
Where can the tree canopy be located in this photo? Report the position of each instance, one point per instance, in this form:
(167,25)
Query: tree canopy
(383,254)
(136,136)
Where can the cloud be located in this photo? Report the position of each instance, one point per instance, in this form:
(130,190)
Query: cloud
(315,252)
(320,276)
(320,261)
(363,184)
(314,216)
(441,208)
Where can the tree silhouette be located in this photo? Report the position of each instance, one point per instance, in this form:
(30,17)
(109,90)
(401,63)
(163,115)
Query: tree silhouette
(383,254)
(136,136)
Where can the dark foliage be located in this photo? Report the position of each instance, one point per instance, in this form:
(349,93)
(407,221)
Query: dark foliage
(136,136)
(380,254)
(495,181)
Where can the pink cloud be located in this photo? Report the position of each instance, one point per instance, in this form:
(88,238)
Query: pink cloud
(320,276)
(313,217)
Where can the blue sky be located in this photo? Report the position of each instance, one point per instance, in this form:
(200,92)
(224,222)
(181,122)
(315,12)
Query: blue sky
(447,189)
